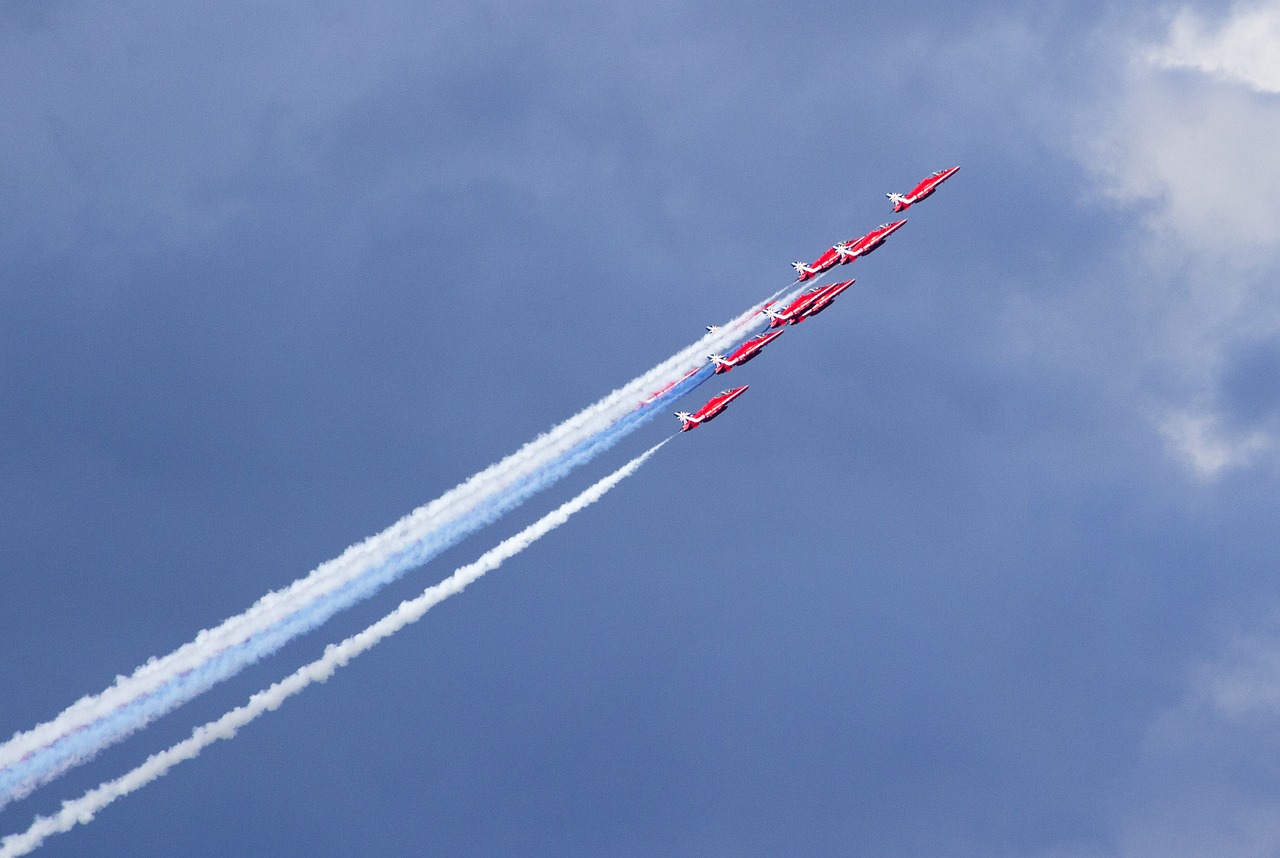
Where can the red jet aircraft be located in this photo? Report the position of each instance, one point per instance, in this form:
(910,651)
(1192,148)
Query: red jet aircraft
(709,411)
(795,312)
(824,300)
(851,250)
(825,262)
(744,352)
(902,202)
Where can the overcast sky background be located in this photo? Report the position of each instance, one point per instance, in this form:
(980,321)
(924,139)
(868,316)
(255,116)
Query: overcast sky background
(982,565)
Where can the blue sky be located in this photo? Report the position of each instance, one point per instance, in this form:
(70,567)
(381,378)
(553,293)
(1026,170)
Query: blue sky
(981,565)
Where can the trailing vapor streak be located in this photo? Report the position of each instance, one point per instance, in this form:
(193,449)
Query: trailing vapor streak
(35,757)
(83,809)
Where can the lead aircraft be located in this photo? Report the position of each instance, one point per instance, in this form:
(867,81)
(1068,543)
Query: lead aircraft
(902,202)
(711,410)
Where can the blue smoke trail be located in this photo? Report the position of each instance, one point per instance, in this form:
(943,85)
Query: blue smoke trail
(79,742)
(65,753)
(82,810)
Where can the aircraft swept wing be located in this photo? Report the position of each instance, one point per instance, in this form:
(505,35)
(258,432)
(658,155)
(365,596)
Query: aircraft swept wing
(902,202)
(710,411)
(744,352)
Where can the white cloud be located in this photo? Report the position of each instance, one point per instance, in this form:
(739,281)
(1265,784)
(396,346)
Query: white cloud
(1245,681)
(1200,439)
(1198,148)
(1204,154)
(1244,49)
(1185,142)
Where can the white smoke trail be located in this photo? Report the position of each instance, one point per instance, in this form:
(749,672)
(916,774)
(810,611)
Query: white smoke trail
(83,809)
(35,757)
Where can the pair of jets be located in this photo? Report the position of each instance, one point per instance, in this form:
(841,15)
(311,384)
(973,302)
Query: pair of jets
(808,304)
(847,251)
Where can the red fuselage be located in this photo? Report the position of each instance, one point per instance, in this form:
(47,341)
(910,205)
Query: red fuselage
(825,262)
(924,189)
(712,409)
(796,310)
(828,295)
(746,351)
(870,241)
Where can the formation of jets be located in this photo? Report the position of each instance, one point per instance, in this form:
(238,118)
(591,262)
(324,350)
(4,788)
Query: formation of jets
(809,303)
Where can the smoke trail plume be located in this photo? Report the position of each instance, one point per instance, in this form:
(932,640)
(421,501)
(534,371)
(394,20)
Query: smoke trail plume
(35,757)
(83,809)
